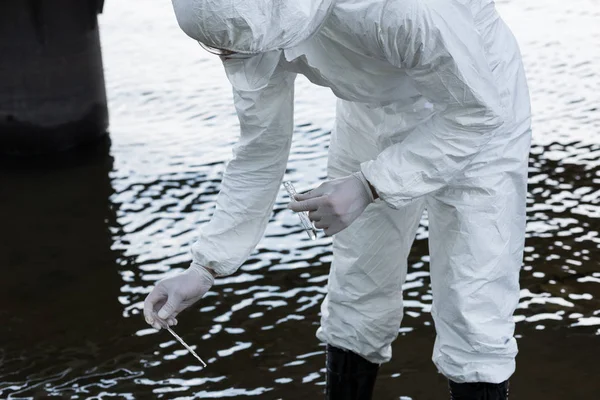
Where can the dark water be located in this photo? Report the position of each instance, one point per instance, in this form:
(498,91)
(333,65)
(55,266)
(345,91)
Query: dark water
(84,241)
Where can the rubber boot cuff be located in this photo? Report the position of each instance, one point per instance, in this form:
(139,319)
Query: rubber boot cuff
(478,391)
(349,376)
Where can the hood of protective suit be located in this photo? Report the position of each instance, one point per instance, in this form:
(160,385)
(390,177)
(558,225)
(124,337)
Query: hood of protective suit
(251,26)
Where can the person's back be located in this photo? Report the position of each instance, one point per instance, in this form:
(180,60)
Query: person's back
(504,56)
(379,103)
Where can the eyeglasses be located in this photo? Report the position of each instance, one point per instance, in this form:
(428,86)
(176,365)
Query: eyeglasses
(224,53)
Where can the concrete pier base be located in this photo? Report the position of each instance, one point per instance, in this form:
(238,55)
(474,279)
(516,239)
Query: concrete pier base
(52,92)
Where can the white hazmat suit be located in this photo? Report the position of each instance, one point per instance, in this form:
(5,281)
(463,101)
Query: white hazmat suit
(434,111)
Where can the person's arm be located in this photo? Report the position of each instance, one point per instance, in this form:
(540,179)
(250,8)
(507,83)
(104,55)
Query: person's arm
(437,44)
(252,178)
(248,190)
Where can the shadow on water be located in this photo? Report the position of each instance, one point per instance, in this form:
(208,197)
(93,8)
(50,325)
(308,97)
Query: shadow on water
(61,318)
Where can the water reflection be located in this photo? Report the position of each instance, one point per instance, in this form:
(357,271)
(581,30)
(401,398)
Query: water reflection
(561,273)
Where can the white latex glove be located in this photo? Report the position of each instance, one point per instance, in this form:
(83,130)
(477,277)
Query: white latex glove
(172,295)
(335,204)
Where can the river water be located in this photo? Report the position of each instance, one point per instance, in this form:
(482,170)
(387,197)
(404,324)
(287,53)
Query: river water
(85,239)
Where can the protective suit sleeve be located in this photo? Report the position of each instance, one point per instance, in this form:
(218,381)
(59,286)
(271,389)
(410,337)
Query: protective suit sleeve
(252,178)
(437,44)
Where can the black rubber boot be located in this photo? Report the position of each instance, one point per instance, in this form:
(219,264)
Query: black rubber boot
(479,391)
(349,376)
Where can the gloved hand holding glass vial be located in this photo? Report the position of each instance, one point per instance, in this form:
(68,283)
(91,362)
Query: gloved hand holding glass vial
(304,220)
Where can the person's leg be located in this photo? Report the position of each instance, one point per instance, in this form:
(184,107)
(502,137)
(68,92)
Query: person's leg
(362,311)
(361,314)
(363,307)
(476,240)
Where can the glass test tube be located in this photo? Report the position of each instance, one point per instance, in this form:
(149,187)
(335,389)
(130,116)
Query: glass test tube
(187,346)
(306,224)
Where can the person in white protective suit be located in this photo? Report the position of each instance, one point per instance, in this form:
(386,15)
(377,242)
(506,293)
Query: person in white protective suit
(433,114)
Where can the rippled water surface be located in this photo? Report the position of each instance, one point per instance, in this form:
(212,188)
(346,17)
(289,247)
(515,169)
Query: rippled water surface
(83,244)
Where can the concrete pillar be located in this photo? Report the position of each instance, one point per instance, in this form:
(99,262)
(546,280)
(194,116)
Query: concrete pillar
(52,93)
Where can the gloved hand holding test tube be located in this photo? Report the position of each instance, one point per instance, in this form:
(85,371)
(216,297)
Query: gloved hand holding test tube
(306,224)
